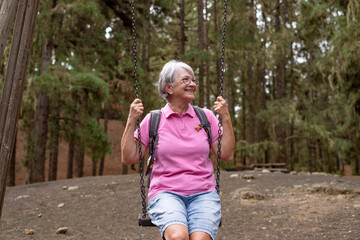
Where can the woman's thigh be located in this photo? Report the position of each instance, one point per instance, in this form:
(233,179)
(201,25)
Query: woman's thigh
(167,208)
(204,213)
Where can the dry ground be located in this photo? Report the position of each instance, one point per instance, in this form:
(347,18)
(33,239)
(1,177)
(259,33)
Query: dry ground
(255,205)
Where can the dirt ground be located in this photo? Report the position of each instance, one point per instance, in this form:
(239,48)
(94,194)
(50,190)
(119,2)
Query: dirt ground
(255,205)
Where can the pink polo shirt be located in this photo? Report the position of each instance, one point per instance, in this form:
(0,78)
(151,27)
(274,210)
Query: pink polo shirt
(182,162)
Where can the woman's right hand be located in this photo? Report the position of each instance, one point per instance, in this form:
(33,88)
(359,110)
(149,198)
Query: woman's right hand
(136,110)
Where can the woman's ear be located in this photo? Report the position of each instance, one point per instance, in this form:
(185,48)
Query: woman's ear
(168,89)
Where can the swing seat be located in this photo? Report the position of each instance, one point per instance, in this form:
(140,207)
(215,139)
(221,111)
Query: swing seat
(145,221)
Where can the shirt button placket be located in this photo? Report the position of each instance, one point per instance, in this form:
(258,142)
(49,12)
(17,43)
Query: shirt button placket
(182,125)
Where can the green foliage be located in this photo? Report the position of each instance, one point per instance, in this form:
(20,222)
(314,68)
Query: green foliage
(314,43)
(96,141)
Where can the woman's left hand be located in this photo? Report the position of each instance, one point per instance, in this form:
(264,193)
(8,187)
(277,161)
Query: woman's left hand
(221,107)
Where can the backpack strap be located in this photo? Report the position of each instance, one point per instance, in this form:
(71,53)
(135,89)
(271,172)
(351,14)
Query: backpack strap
(204,122)
(155,116)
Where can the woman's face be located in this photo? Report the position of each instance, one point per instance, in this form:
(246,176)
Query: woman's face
(184,86)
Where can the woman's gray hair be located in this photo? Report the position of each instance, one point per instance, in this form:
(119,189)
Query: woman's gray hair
(167,75)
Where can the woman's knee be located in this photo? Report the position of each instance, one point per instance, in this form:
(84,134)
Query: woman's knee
(176,232)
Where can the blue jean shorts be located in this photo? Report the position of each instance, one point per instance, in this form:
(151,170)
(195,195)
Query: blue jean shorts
(198,212)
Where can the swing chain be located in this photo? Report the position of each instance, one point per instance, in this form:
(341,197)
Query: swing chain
(221,90)
(141,161)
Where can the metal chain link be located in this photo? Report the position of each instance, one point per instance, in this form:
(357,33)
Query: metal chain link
(141,160)
(221,92)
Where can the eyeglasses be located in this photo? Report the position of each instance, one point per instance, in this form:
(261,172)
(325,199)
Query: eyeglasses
(188,80)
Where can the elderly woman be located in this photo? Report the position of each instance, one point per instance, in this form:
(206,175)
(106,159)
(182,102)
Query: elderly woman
(183,201)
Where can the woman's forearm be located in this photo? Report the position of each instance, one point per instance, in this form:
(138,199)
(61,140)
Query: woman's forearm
(227,141)
(129,149)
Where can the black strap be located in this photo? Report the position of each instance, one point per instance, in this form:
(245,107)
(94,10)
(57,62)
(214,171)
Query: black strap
(204,122)
(155,116)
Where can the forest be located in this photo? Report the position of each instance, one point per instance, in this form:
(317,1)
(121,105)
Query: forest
(291,77)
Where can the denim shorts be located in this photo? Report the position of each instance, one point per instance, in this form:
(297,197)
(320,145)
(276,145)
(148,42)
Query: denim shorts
(198,212)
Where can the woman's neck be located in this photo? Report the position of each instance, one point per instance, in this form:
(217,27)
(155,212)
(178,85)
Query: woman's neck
(180,107)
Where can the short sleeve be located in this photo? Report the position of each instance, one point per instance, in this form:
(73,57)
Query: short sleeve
(214,125)
(144,130)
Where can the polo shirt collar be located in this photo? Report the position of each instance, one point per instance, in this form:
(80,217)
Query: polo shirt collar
(168,111)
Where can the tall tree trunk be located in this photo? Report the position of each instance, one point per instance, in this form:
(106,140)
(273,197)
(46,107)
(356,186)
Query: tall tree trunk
(216,28)
(243,106)
(312,155)
(70,161)
(200,9)
(251,83)
(357,162)
(102,160)
(207,67)
(125,169)
(54,138)
(55,112)
(11,97)
(7,17)
(73,136)
(41,129)
(79,156)
(280,87)
(182,28)
(357,143)
(93,170)
(42,111)
(321,156)
(329,162)
(311,142)
(261,81)
(11,175)
(230,92)
(79,151)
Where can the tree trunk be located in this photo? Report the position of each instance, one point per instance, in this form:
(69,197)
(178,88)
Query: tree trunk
(251,83)
(71,156)
(54,138)
(243,108)
(216,28)
(357,143)
(42,110)
(11,176)
(14,85)
(230,92)
(312,155)
(102,160)
(73,136)
(41,129)
(7,17)
(280,88)
(321,156)
(79,151)
(182,28)
(207,67)
(125,169)
(93,169)
(357,163)
(200,9)
(79,155)
(261,82)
